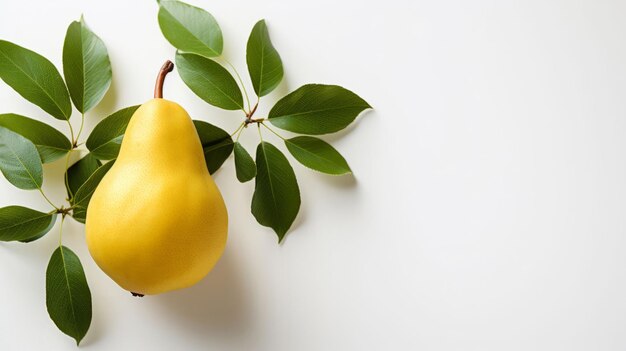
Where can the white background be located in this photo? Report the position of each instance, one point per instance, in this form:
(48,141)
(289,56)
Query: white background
(487,210)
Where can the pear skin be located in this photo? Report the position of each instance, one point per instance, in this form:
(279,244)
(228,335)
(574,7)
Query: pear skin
(157,221)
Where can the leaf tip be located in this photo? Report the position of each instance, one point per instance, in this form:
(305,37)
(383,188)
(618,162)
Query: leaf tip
(281,236)
(280,232)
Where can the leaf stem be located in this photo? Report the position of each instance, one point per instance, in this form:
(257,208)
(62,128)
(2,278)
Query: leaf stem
(61,230)
(259,128)
(71,132)
(80,130)
(271,130)
(238,129)
(47,199)
(238,135)
(245,92)
(67,183)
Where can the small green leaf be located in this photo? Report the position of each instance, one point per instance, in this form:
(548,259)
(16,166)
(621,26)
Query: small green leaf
(79,172)
(68,298)
(83,194)
(19,160)
(244,164)
(106,138)
(264,63)
(86,66)
(276,199)
(19,223)
(317,154)
(35,78)
(51,144)
(317,109)
(43,232)
(216,144)
(190,29)
(210,81)
(216,154)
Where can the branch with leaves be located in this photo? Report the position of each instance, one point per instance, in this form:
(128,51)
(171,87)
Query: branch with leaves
(312,109)
(26,143)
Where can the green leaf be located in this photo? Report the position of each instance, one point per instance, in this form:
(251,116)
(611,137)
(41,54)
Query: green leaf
(79,172)
(43,232)
(216,144)
(51,144)
(276,199)
(35,78)
(19,160)
(317,154)
(317,109)
(86,66)
(106,138)
(216,154)
(68,298)
(83,194)
(244,164)
(190,29)
(19,223)
(210,81)
(264,63)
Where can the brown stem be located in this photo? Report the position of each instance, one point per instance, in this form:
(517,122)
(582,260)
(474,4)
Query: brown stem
(167,67)
(253,120)
(249,115)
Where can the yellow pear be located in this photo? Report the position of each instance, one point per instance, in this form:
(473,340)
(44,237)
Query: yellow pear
(157,221)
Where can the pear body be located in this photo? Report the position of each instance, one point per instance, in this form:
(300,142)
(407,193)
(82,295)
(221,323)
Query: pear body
(157,221)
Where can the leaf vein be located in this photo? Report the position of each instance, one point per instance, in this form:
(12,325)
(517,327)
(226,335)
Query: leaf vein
(34,81)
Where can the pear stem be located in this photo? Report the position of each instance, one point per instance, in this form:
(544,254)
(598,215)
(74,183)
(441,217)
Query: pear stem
(167,67)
